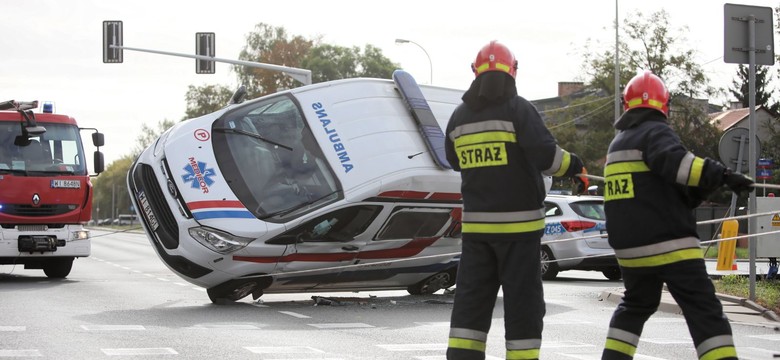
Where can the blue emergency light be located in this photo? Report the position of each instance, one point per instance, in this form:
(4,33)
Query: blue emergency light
(48,107)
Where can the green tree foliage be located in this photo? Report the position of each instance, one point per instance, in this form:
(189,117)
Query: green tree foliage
(270,45)
(740,88)
(206,99)
(110,197)
(149,135)
(649,43)
(336,62)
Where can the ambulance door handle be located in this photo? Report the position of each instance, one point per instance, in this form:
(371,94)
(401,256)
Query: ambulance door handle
(349,248)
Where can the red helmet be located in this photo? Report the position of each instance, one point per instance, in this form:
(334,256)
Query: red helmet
(495,57)
(646,90)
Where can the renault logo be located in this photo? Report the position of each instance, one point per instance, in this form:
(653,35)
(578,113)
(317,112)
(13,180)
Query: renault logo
(36,199)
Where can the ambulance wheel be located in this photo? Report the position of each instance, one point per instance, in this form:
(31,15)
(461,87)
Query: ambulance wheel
(432,284)
(612,273)
(58,268)
(231,291)
(549,266)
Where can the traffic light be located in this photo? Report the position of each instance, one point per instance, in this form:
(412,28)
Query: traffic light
(204,46)
(112,35)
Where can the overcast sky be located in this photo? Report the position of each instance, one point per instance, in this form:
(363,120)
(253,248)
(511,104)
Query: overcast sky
(50,50)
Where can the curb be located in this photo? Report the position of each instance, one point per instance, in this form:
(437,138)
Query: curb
(750,304)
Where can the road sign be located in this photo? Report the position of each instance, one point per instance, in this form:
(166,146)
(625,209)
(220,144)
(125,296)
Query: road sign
(112,35)
(738,19)
(764,163)
(764,174)
(728,148)
(204,46)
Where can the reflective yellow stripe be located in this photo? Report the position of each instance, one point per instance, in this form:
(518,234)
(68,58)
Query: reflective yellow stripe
(618,187)
(484,137)
(502,67)
(499,66)
(662,259)
(638,101)
(620,347)
(466,344)
(625,167)
(503,228)
(522,354)
(720,353)
(634,102)
(565,162)
(696,170)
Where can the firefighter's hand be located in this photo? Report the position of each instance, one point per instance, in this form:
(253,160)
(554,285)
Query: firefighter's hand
(580,182)
(737,182)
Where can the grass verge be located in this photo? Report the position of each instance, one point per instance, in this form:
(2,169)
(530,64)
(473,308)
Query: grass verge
(767,291)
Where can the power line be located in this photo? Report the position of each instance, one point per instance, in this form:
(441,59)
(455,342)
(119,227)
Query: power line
(573,106)
(593,112)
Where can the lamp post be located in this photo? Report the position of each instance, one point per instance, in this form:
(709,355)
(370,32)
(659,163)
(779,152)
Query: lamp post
(430,63)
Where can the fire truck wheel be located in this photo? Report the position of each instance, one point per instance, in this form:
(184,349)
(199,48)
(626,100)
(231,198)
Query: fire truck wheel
(58,268)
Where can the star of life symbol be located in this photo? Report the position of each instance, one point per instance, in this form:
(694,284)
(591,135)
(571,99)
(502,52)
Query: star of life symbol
(198,174)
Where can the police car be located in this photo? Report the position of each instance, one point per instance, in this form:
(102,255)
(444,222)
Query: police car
(569,217)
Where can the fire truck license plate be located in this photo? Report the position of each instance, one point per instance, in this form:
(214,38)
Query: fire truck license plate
(148,211)
(70,184)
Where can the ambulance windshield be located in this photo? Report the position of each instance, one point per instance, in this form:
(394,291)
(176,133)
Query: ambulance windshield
(271,160)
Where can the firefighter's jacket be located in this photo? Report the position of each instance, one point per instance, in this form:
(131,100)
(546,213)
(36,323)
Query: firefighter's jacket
(652,184)
(502,151)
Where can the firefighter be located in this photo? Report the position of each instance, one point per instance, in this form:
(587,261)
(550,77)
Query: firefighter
(652,185)
(499,144)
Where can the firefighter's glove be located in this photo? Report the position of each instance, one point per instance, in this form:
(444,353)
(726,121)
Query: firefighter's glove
(580,182)
(737,182)
(575,166)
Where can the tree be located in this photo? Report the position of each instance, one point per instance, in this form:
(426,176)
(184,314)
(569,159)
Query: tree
(649,43)
(149,135)
(206,99)
(335,62)
(740,88)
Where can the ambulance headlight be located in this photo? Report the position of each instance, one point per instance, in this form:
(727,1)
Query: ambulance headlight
(219,241)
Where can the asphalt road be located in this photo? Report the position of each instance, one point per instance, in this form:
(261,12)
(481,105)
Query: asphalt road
(123,303)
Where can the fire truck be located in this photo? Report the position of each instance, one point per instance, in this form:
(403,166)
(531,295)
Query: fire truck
(45,188)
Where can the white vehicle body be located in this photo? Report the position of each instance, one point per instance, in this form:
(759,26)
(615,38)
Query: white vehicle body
(329,186)
(582,218)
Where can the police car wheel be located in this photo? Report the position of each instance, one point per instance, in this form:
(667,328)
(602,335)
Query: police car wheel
(549,266)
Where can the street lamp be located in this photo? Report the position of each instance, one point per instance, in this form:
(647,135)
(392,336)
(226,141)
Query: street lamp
(430,63)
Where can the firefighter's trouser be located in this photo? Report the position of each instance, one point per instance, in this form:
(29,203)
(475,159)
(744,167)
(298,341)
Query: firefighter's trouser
(693,291)
(484,267)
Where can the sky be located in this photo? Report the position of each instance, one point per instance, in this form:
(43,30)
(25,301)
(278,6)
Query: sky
(51,50)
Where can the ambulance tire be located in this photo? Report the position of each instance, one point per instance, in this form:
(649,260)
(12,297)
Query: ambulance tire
(434,283)
(612,273)
(549,269)
(231,291)
(58,268)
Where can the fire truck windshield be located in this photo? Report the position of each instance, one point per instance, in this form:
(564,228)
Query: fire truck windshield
(271,160)
(57,151)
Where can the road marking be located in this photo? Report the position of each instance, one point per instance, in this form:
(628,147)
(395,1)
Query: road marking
(341,326)
(226,326)
(13,328)
(564,345)
(112,327)
(668,341)
(161,279)
(751,353)
(444,357)
(19,353)
(413,347)
(294,314)
(766,337)
(148,275)
(283,350)
(139,351)
(436,324)
(181,284)
(554,321)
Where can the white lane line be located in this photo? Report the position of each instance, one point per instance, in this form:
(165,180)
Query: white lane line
(751,353)
(766,337)
(436,324)
(413,347)
(112,327)
(554,321)
(444,357)
(199,289)
(162,279)
(668,341)
(565,345)
(137,271)
(139,351)
(13,328)
(225,327)
(283,350)
(148,275)
(19,353)
(341,326)
(294,314)
(181,284)
(125,268)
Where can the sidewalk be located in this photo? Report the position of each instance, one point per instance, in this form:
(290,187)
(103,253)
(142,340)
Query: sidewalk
(737,309)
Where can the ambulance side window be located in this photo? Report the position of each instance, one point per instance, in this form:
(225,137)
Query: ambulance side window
(342,225)
(410,223)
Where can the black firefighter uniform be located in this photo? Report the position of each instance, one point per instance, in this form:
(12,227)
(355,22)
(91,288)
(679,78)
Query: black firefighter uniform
(652,184)
(501,152)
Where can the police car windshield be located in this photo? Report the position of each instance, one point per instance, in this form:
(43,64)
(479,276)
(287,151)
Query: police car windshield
(57,151)
(271,160)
